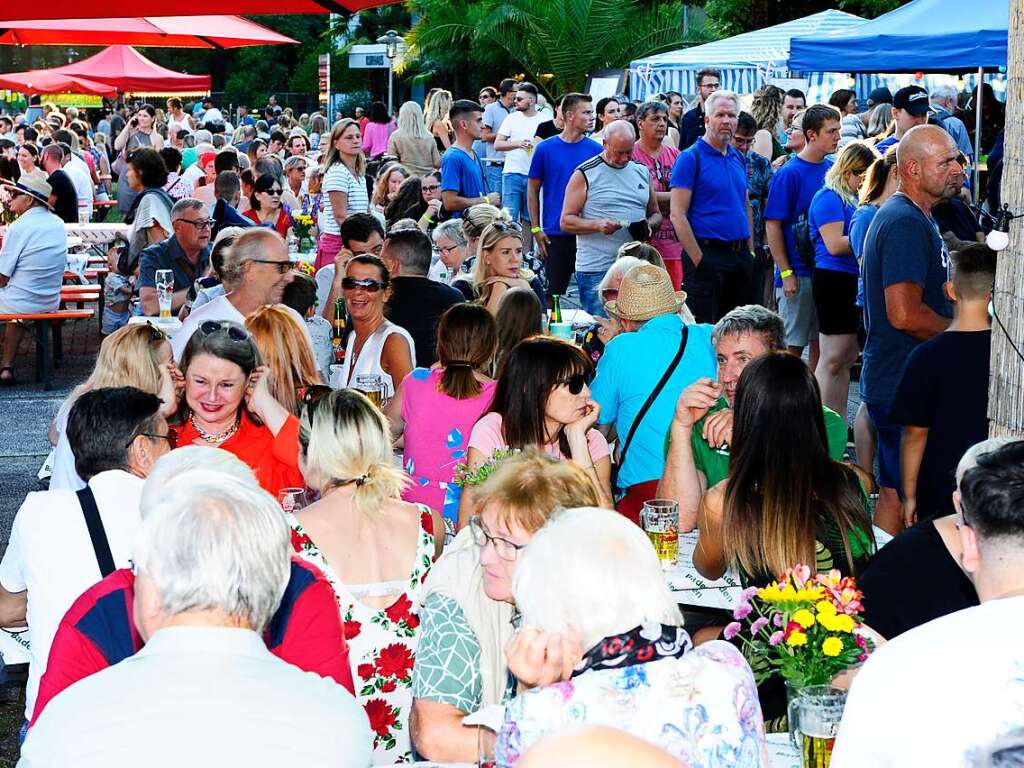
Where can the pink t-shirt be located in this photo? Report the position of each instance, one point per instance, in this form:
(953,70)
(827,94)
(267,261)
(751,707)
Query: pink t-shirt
(660,168)
(487,437)
(375,139)
(437,429)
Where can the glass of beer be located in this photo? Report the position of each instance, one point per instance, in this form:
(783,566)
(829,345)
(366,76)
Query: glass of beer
(814,715)
(660,520)
(164,280)
(371,385)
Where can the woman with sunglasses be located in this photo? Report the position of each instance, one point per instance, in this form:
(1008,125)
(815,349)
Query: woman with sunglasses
(228,404)
(363,538)
(499,265)
(266,209)
(467,613)
(284,347)
(543,400)
(133,356)
(475,220)
(376,347)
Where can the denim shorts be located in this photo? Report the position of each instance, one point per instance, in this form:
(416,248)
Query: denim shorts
(513,195)
(889,433)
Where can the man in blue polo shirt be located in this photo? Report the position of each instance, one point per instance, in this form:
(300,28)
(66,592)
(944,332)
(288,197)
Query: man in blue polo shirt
(553,162)
(787,230)
(711,214)
(186,253)
(462,176)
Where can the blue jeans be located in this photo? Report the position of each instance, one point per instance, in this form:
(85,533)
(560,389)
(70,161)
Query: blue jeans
(493,179)
(589,298)
(513,195)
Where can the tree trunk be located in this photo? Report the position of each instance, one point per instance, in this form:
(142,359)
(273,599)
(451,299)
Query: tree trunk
(1006,384)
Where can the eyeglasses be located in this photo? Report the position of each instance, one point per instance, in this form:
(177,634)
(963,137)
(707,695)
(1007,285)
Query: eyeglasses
(368,285)
(197,223)
(574,383)
(743,141)
(282,266)
(505,549)
(446,249)
(433,188)
(234,333)
(709,85)
(171,437)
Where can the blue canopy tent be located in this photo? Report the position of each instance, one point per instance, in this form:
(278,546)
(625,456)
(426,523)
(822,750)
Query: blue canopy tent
(746,61)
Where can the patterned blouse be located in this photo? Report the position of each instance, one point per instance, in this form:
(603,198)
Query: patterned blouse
(382,643)
(699,705)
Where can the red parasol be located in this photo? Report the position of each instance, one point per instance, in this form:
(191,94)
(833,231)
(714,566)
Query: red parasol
(128,71)
(45,81)
(75,9)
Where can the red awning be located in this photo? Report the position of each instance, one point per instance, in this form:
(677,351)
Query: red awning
(155,31)
(129,71)
(44,81)
(75,9)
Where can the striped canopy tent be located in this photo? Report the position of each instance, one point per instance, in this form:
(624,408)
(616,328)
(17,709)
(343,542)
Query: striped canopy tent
(745,61)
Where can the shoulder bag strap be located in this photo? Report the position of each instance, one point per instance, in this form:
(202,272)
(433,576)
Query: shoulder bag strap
(654,394)
(100,546)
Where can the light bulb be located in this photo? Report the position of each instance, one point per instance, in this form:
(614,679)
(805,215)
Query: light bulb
(997,241)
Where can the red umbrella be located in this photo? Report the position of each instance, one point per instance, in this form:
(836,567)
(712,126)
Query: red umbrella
(75,9)
(45,81)
(155,31)
(129,71)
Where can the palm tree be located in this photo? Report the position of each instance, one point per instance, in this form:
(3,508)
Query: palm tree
(556,42)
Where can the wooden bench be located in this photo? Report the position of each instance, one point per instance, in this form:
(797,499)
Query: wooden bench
(44,362)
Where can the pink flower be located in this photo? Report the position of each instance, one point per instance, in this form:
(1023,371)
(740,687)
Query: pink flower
(777,620)
(776,638)
(758,625)
(748,594)
(742,611)
(731,630)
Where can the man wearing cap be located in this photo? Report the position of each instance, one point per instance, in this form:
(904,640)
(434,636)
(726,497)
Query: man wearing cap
(878,96)
(32,261)
(632,367)
(910,107)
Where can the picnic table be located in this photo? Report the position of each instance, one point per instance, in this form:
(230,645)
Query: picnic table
(97,233)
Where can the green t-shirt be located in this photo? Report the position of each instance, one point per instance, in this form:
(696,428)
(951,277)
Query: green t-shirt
(188,157)
(714,462)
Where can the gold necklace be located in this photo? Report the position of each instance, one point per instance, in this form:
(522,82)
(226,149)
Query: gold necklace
(211,437)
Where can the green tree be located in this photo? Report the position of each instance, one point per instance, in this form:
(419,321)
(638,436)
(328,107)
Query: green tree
(731,17)
(556,43)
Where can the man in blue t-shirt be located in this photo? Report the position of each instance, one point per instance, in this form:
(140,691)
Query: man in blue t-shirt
(462,176)
(552,165)
(905,267)
(711,214)
(785,214)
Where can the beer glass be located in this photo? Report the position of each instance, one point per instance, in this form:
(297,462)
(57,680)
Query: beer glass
(371,385)
(660,521)
(164,280)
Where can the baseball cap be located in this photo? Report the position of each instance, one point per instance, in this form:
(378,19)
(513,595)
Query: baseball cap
(913,99)
(880,96)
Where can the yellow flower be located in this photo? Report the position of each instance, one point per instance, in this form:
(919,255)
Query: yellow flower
(809,594)
(844,623)
(796,638)
(826,606)
(828,621)
(804,618)
(770,593)
(832,646)
(788,594)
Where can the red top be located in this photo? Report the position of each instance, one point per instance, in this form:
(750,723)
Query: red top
(280,226)
(274,460)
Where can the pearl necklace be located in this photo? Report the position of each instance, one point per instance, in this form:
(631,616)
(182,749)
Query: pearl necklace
(210,437)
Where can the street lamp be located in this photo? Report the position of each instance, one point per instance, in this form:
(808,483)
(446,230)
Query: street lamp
(392,40)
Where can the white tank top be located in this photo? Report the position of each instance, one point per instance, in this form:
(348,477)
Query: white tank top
(369,357)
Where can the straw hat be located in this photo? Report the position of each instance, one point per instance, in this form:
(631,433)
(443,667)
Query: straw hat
(34,185)
(646,291)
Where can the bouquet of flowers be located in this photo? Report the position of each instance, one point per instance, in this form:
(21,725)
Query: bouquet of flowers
(302,225)
(466,477)
(803,626)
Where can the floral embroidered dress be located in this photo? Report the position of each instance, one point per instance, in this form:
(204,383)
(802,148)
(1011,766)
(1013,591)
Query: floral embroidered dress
(699,705)
(381,641)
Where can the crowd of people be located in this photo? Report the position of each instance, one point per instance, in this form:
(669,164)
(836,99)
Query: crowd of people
(376,474)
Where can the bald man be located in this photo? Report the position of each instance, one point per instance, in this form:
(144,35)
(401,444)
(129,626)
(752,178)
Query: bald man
(596,747)
(904,268)
(608,201)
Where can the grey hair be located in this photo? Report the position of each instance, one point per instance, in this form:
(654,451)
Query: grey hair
(609,577)
(751,318)
(212,542)
(451,230)
(204,136)
(970,458)
(619,267)
(709,104)
(186,204)
(186,459)
(251,244)
(942,92)
(650,106)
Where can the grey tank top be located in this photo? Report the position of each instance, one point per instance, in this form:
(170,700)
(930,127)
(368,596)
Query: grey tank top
(620,194)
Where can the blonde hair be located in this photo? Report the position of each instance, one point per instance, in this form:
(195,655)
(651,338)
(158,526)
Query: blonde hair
(332,155)
(283,347)
(531,486)
(344,439)
(411,122)
(127,358)
(855,157)
(437,110)
(479,217)
(490,238)
(766,107)
(380,188)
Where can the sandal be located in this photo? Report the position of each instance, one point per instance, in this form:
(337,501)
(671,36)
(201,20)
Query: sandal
(7,381)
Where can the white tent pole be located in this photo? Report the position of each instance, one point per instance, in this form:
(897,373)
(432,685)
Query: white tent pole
(977,137)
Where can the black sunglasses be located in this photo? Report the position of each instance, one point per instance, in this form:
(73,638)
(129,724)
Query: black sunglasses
(282,266)
(372,286)
(235,333)
(574,383)
(507,226)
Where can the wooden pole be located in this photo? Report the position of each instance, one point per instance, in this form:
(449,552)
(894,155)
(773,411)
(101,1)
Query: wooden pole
(1006,383)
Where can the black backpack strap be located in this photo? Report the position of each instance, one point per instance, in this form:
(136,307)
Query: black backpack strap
(100,546)
(654,395)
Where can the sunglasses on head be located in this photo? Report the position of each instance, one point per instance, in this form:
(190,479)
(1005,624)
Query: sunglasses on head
(574,383)
(371,286)
(234,333)
(507,226)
